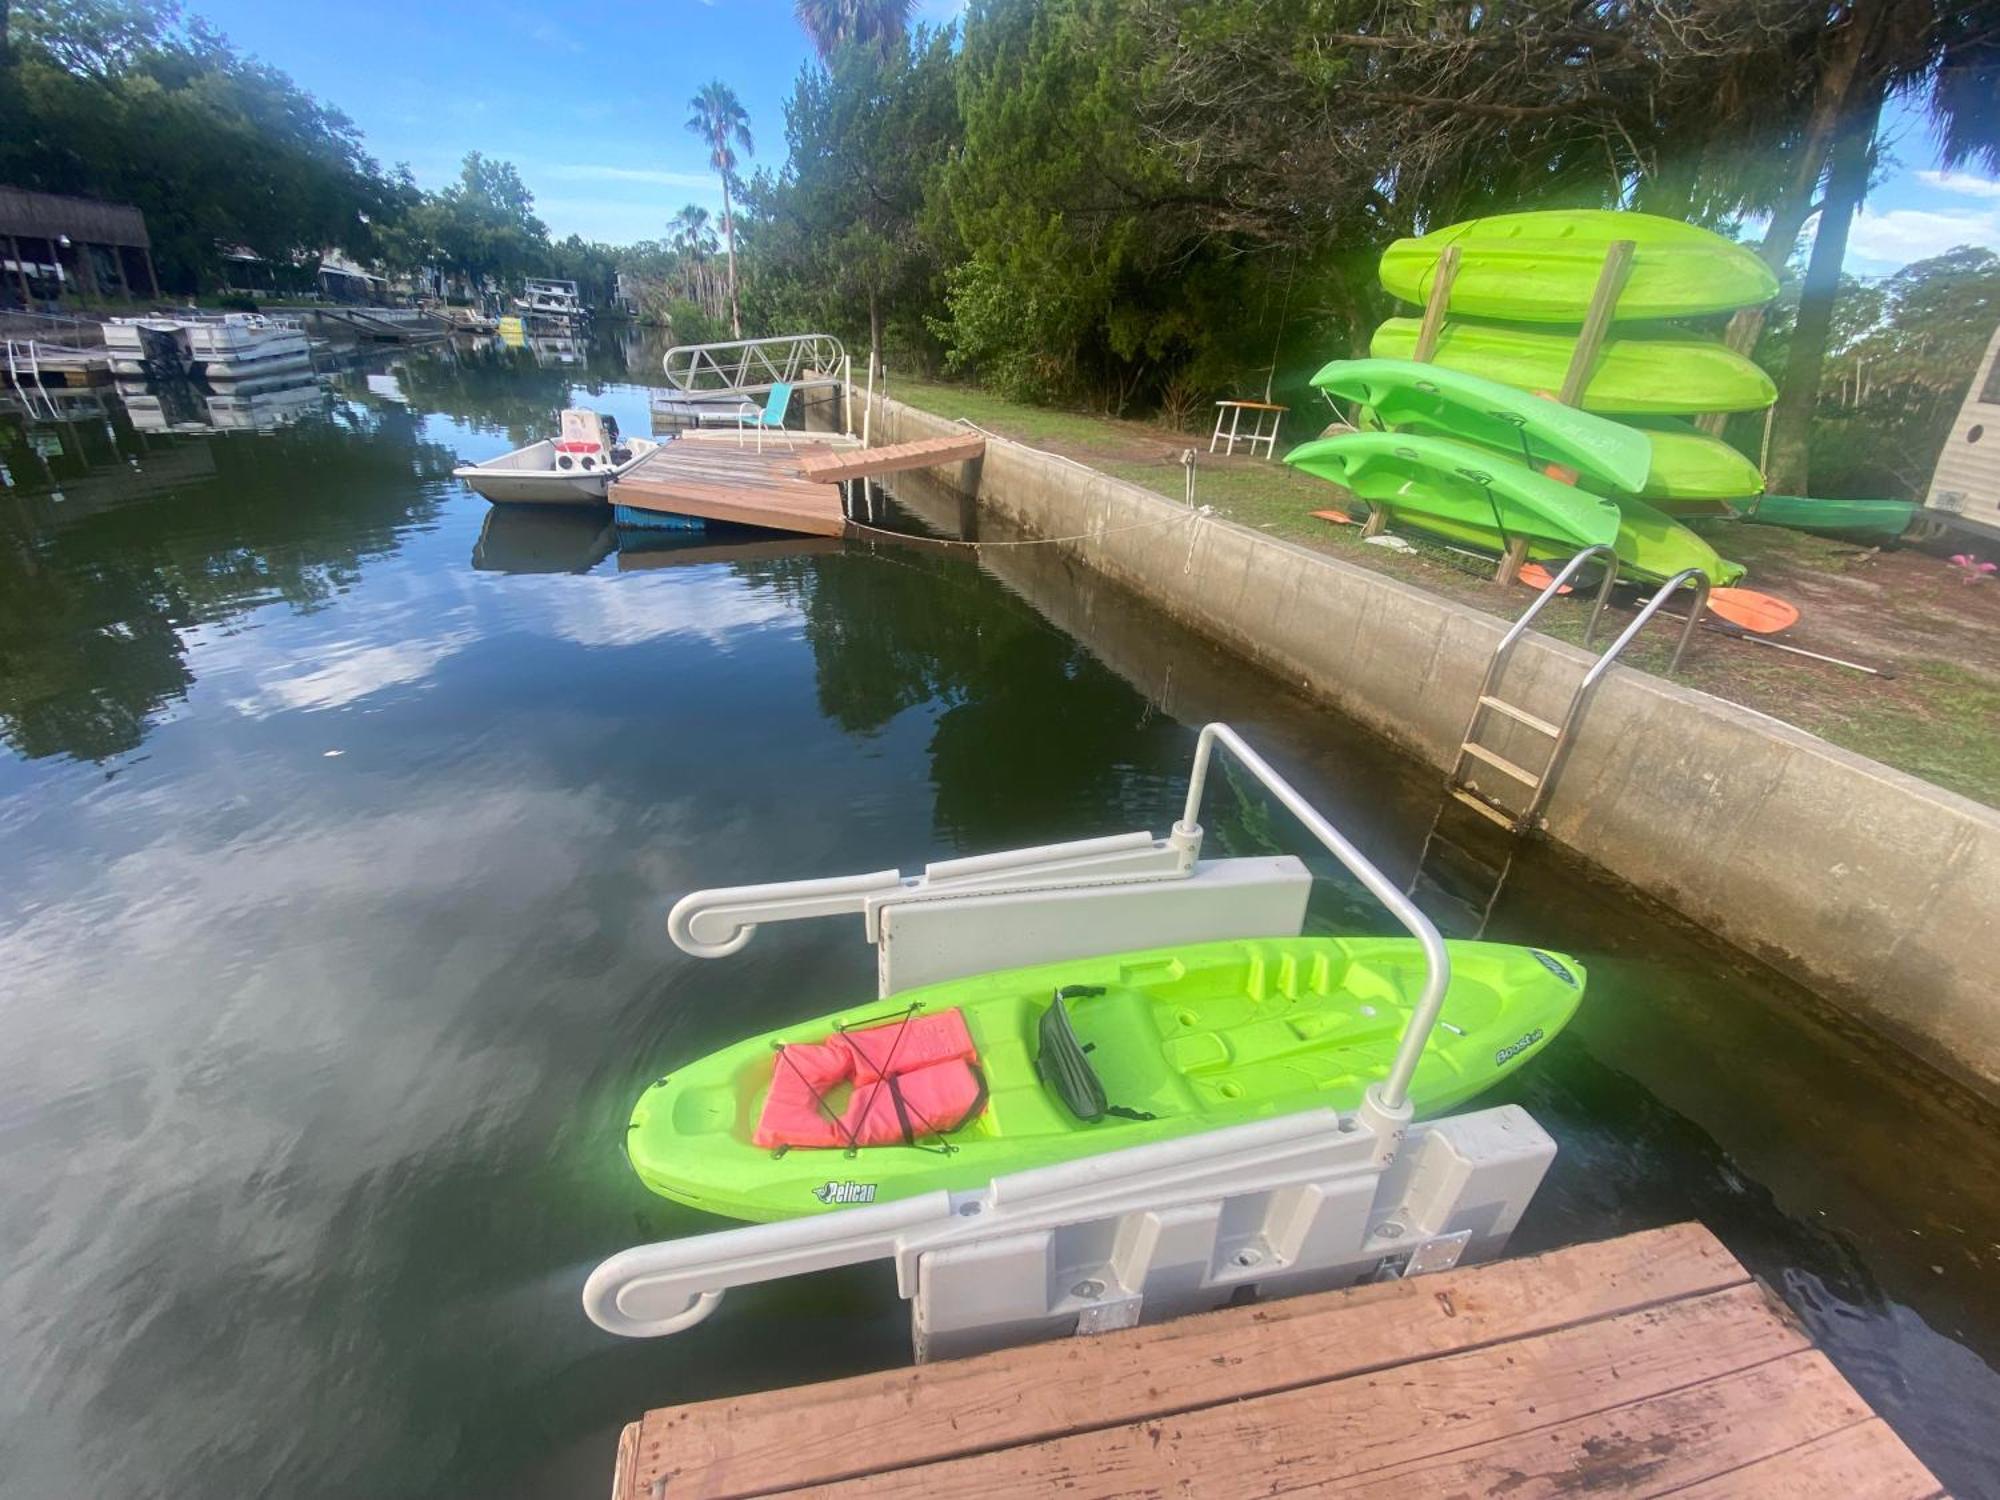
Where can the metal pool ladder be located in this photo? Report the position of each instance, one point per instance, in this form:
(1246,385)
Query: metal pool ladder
(1559,734)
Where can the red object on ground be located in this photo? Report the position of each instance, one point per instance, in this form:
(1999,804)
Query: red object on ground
(1746,609)
(1338,517)
(911,1078)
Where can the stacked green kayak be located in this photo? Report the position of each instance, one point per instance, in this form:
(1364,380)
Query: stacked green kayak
(1465,462)
(1449,403)
(1689,465)
(1522,289)
(1543,267)
(1660,376)
(1457,490)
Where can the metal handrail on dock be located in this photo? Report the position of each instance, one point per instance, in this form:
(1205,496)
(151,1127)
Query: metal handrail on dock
(745,367)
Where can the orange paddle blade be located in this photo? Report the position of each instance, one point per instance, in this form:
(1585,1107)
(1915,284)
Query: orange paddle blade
(1338,517)
(1537,577)
(1760,614)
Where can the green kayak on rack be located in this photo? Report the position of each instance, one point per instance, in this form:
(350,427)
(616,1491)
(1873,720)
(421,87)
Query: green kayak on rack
(1460,490)
(1669,375)
(953,1084)
(1543,267)
(1653,546)
(1690,465)
(1477,496)
(1450,403)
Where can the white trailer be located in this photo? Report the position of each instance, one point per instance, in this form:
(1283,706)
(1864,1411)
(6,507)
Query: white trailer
(1966,482)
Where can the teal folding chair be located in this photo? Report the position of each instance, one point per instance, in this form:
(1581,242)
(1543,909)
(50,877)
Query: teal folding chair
(770,419)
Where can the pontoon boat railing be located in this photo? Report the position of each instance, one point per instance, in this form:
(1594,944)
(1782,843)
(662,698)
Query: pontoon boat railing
(745,367)
(1393,1090)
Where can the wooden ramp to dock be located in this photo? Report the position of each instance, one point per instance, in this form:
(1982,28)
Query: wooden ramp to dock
(713,476)
(1635,1366)
(873,463)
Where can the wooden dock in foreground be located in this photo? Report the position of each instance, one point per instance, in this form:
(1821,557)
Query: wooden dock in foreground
(1634,1366)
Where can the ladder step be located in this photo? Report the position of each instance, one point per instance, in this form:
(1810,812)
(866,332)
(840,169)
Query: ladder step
(1484,808)
(1501,763)
(1521,716)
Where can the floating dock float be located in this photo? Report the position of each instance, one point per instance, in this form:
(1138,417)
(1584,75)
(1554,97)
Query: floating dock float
(1645,1364)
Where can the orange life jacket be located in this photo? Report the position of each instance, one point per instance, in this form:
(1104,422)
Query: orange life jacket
(911,1078)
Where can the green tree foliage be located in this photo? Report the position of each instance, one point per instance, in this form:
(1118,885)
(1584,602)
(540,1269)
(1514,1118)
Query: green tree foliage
(482,226)
(129,101)
(841,234)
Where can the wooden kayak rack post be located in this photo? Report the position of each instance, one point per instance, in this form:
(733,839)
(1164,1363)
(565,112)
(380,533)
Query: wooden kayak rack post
(1582,361)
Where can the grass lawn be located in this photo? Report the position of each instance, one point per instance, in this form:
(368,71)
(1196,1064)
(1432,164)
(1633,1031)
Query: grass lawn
(1935,712)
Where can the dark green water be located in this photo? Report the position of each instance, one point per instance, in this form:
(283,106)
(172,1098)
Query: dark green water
(340,822)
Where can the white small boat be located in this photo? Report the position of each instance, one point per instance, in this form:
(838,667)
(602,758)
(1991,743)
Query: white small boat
(574,469)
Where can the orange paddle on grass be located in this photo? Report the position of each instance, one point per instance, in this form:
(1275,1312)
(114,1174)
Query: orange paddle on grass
(1746,609)
(1537,577)
(1338,517)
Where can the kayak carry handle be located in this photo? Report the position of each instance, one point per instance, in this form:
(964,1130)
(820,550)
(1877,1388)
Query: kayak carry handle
(1392,1093)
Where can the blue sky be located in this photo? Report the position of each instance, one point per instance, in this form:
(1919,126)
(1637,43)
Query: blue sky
(590,102)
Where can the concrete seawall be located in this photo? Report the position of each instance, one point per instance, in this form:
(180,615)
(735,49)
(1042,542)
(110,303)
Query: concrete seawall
(1874,887)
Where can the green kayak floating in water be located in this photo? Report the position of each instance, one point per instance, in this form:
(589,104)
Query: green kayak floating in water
(1873,520)
(1460,490)
(1670,375)
(1450,403)
(1027,1067)
(1543,267)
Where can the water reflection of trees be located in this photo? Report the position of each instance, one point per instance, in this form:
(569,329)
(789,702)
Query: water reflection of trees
(1034,736)
(96,600)
(492,387)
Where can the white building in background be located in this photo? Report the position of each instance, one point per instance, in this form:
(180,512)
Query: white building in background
(1966,482)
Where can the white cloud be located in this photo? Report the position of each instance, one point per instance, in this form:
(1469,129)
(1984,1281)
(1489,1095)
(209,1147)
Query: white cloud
(1902,235)
(353,673)
(593,172)
(713,606)
(1961,183)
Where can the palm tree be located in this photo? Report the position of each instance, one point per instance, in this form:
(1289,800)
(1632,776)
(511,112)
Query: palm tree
(718,117)
(694,241)
(833,24)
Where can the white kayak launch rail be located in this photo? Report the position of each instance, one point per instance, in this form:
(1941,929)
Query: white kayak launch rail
(1306,1201)
(1300,1203)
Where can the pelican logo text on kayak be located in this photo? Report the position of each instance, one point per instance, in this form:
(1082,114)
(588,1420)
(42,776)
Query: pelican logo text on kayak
(1505,1054)
(845,1192)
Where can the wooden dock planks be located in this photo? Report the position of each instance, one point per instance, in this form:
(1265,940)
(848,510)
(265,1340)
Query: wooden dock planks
(1636,1365)
(873,463)
(713,476)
